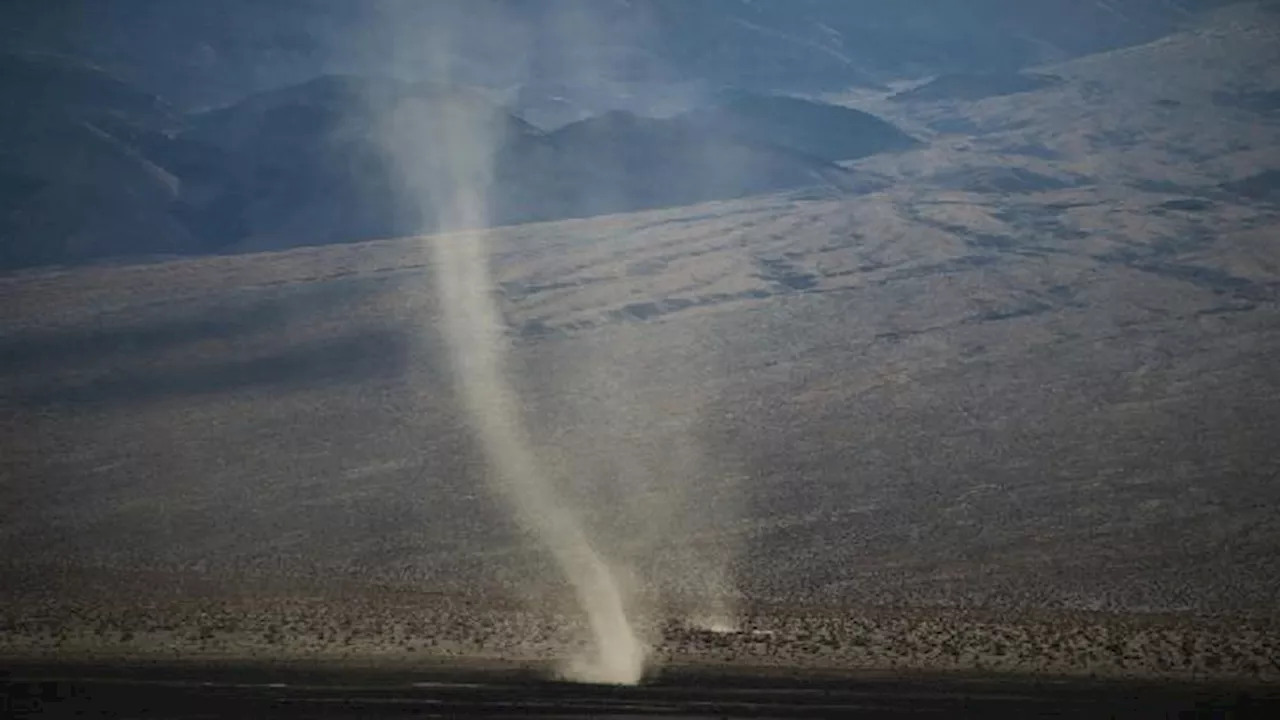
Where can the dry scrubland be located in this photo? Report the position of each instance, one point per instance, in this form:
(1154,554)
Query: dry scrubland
(1015,412)
(403,631)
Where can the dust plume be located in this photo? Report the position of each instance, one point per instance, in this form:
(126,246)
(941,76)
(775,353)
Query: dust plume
(475,332)
(447,145)
(451,179)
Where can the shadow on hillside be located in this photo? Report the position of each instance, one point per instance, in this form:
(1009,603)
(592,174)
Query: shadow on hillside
(51,350)
(356,356)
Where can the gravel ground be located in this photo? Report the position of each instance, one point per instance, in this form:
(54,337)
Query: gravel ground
(403,631)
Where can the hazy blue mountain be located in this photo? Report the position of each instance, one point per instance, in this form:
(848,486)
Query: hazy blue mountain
(143,127)
(201,53)
(310,164)
(75,183)
(96,168)
(63,86)
(975,86)
(629,162)
(824,131)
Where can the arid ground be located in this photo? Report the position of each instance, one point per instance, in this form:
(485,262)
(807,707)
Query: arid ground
(1017,411)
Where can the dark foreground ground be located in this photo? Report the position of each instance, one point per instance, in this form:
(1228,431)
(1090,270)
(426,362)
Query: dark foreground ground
(202,691)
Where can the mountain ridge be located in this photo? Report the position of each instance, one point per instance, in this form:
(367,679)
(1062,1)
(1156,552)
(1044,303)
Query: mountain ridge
(319,162)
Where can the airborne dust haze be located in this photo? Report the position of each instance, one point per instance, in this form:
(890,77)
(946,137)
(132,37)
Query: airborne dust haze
(447,159)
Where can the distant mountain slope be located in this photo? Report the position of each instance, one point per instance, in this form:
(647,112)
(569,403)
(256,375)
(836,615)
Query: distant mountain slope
(975,86)
(824,131)
(311,164)
(644,162)
(75,183)
(99,169)
(202,53)
(818,43)
(1163,116)
(71,192)
(69,88)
